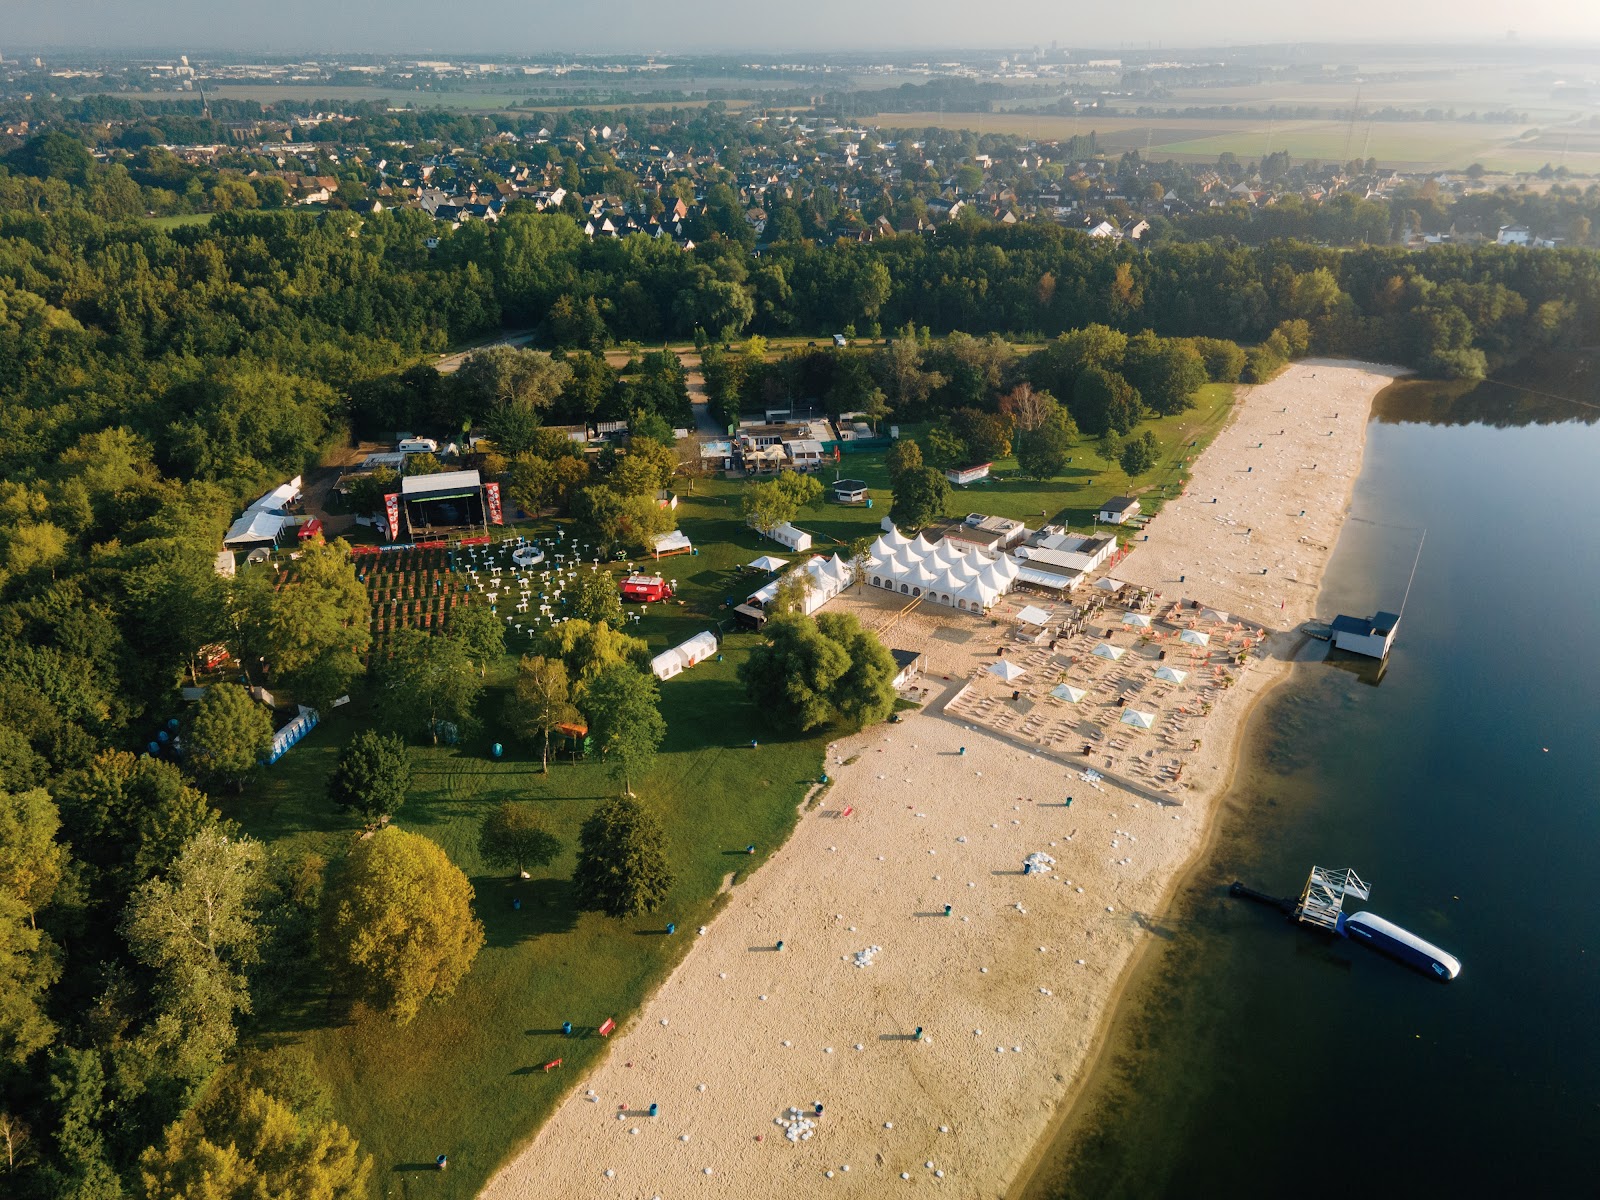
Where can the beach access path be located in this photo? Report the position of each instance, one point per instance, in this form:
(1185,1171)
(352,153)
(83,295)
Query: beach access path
(1014,987)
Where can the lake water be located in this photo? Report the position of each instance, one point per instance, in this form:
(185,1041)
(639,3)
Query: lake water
(1464,786)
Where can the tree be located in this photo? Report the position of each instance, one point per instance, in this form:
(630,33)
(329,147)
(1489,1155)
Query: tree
(129,816)
(427,686)
(595,597)
(31,860)
(623,706)
(1042,450)
(1167,372)
(540,700)
(617,519)
(986,435)
(1104,401)
(946,447)
(587,649)
(509,377)
(245,1144)
(512,836)
(920,497)
(398,926)
(1059,364)
(316,629)
(29,967)
(812,671)
(905,455)
(230,735)
(480,632)
(1139,454)
(196,926)
(622,863)
(864,694)
(372,776)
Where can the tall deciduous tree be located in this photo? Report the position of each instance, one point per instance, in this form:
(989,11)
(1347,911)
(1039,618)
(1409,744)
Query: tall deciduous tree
(129,816)
(317,631)
(540,700)
(622,861)
(31,860)
(593,596)
(196,926)
(398,925)
(623,706)
(921,496)
(372,776)
(513,836)
(246,1144)
(230,735)
(587,649)
(905,455)
(429,683)
(29,966)
(481,633)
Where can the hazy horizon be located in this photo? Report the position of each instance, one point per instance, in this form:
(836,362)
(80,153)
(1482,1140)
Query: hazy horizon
(500,27)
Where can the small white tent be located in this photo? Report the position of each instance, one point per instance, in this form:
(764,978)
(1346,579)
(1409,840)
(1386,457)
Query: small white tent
(1139,620)
(1007,670)
(1108,584)
(788,535)
(698,648)
(1107,650)
(1139,720)
(767,563)
(667,664)
(1033,616)
(1171,674)
(1065,691)
(1194,637)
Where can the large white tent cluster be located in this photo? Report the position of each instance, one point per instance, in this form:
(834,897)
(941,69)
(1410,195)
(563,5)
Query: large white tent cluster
(939,572)
(829,577)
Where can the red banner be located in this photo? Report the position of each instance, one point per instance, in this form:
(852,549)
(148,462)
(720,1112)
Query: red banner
(391,508)
(491,493)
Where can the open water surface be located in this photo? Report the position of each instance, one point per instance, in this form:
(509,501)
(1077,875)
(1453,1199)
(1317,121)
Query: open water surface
(1250,1055)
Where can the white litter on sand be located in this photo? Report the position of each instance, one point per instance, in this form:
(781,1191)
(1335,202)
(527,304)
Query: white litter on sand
(863,958)
(797,1127)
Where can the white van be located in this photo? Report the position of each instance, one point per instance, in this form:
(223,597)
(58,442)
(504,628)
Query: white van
(418,446)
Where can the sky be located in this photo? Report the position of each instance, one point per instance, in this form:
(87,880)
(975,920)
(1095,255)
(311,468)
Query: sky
(573,26)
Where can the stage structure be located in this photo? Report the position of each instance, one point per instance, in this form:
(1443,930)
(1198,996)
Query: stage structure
(444,503)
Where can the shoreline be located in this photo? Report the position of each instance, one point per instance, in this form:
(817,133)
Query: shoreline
(738,1033)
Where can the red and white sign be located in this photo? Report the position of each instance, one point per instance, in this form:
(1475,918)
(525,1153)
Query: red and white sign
(391,509)
(491,494)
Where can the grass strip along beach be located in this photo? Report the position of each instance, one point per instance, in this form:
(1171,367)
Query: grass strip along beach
(940,1042)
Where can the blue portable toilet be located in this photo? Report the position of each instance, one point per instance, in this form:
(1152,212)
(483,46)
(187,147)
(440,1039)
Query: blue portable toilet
(498,750)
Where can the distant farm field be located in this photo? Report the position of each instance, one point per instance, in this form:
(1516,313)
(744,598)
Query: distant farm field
(1405,145)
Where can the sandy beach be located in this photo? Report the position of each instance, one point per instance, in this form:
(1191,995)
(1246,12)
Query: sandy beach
(1012,988)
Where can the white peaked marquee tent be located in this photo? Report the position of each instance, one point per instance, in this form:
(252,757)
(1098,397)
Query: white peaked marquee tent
(1193,637)
(829,577)
(1107,650)
(969,579)
(1171,674)
(1139,720)
(1065,691)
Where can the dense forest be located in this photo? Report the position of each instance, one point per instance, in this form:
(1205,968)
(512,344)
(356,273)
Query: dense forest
(151,378)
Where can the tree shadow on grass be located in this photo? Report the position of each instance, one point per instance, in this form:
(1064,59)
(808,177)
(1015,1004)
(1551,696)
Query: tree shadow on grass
(547,907)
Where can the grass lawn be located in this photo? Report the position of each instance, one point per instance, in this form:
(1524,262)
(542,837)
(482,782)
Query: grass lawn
(466,1078)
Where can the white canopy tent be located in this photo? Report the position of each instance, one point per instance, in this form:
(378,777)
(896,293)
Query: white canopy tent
(1065,691)
(829,577)
(672,542)
(1007,670)
(1108,584)
(1033,616)
(1107,650)
(767,563)
(1138,620)
(1215,614)
(1194,637)
(1139,720)
(257,525)
(1171,674)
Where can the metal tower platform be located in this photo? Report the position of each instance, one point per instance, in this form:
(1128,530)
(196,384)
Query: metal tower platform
(1322,900)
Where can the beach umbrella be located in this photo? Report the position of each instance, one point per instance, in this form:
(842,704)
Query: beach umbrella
(1140,720)
(1033,616)
(1107,650)
(1195,638)
(1108,584)
(1171,674)
(1215,614)
(1137,619)
(1007,670)
(1065,691)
